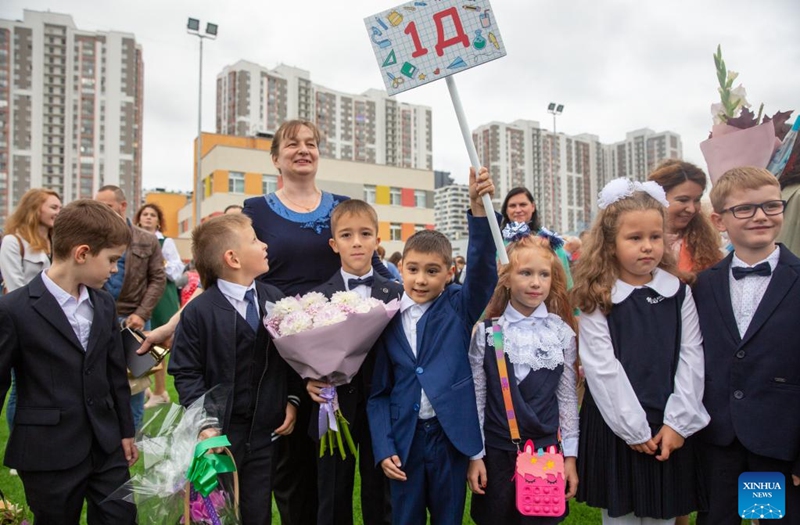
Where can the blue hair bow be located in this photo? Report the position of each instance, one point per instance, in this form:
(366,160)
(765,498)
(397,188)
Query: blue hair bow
(556,241)
(514,231)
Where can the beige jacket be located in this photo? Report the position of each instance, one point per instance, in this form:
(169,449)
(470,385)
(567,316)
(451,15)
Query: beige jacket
(790,232)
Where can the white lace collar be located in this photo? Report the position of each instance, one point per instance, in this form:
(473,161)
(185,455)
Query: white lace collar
(537,340)
(663,283)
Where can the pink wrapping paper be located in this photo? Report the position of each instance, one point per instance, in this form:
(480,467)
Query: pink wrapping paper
(730,148)
(335,353)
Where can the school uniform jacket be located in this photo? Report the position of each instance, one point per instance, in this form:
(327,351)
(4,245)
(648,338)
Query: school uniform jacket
(356,392)
(752,386)
(66,397)
(440,366)
(204,356)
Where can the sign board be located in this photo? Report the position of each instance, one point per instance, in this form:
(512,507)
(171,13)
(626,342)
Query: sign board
(422,41)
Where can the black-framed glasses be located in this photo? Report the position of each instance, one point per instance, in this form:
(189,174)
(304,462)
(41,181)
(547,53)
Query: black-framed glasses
(747,211)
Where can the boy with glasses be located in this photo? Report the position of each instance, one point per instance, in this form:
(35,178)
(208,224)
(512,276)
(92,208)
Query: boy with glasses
(749,305)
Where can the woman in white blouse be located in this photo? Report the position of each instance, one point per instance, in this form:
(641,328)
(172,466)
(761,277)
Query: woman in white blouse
(150,217)
(26,250)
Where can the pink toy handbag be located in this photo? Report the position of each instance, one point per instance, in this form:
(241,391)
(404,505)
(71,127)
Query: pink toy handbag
(539,474)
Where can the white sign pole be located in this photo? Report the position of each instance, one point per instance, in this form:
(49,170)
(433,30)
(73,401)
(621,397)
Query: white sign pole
(473,159)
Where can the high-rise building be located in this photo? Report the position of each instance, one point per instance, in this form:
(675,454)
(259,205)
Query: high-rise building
(637,155)
(442,178)
(450,211)
(565,172)
(70,109)
(370,127)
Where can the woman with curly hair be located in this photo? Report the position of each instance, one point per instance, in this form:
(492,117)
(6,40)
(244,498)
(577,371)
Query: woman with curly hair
(690,234)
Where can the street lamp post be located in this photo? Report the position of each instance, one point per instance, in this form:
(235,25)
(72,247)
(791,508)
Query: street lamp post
(555,110)
(193,28)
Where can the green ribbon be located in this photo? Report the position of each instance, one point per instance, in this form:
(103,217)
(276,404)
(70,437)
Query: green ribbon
(205,468)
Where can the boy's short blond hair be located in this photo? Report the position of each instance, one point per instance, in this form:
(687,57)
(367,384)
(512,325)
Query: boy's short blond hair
(744,178)
(211,240)
(88,222)
(353,207)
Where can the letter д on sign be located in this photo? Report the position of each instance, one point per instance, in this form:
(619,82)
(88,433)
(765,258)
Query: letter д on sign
(421,41)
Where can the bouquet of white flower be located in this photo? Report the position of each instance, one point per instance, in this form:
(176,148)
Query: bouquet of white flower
(328,341)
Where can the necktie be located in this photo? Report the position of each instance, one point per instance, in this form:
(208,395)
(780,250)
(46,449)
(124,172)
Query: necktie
(251,315)
(366,281)
(763,269)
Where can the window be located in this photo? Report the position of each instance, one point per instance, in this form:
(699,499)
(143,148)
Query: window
(420,198)
(395,196)
(235,182)
(369,194)
(419,227)
(395,232)
(269,184)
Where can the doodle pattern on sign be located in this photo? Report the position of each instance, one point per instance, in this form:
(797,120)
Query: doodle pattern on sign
(419,42)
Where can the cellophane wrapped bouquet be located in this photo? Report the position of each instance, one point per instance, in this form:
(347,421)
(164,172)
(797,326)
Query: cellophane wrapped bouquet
(328,341)
(172,455)
(738,136)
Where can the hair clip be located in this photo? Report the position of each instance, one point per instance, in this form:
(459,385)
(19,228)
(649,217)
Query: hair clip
(556,241)
(622,188)
(515,231)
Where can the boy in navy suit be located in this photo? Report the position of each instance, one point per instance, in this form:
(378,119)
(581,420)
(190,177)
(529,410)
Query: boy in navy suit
(749,305)
(72,438)
(221,340)
(422,411)
(354,226)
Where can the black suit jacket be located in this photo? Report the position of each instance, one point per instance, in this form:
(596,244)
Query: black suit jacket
(356,393)
(753,382)
(204,357)
(66,397)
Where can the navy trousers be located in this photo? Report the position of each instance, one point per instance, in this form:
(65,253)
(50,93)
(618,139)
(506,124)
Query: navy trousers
(436,480)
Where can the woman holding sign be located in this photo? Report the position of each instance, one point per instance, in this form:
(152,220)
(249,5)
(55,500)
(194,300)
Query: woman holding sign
(295,223)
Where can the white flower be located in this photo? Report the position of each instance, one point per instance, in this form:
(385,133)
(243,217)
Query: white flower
(313,298)
(732,75)
(329,314)
(296,322)
(346,298)
(718,112)
(286,306)
(739,99)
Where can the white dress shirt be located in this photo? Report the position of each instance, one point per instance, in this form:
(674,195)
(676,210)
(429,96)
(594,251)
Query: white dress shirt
(540,340)
(363,290)
(746,293)
(610,387)
(411,312)
(79,312)
(234,293)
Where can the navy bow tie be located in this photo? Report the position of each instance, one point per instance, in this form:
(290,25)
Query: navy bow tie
(763,268)
(366,281)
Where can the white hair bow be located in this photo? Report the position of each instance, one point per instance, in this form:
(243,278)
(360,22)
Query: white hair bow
(622,188)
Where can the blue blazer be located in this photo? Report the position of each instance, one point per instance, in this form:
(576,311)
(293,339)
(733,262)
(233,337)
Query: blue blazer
(67,398)
(441,366)
(752,387)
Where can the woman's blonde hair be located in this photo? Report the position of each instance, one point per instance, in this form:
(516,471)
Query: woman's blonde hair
(24,221)
(699,235)
(597,270)
(557,301)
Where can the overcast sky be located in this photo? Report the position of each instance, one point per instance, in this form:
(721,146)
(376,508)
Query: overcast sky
(616,65)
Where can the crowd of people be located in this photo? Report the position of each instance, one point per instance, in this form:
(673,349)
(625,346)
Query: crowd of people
(654,351)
